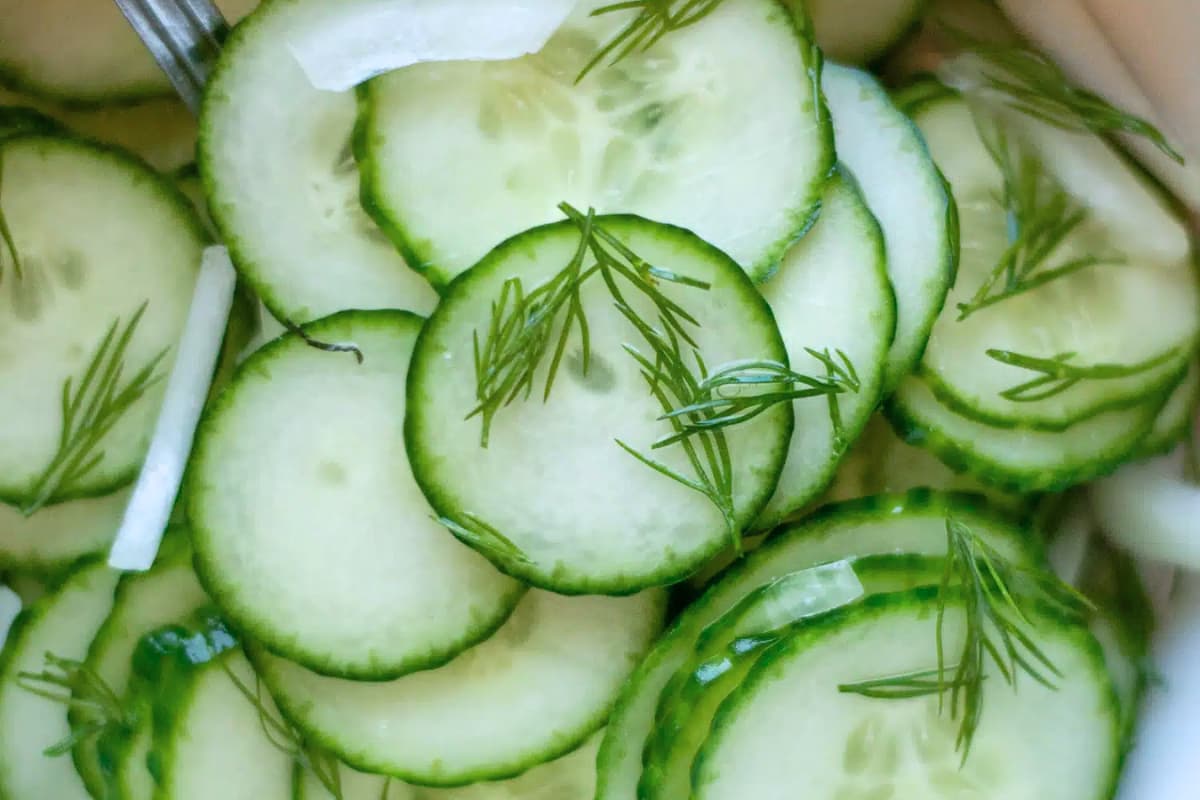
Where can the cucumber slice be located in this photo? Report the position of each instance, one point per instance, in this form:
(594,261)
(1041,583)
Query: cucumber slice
(1176,418)
(337,563)
(911,523)
(862,32)
(831,294)
(718,128)
(1014,459)
(909,197)
(99,235)
(1099,314)
(788,719)
(80,51)
(61,623)
(728,648)
(58,535)
(588,516)
(143,602)
(126,759)
(534,691)
(281,181)
(17,120)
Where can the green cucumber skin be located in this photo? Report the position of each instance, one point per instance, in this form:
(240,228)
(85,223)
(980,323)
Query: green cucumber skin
(169,192)
(17,80)
(1161,443)
(18,120)
(917,600)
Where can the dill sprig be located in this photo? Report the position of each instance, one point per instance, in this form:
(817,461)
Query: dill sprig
(1040,215)
(91,405)
(995,596)
(286,738)
(655,19)
(1057,374)
(484,537)
(1033,84)
(72,684)
(6,237)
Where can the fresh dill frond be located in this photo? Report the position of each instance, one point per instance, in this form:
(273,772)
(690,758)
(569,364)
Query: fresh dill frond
(484,537)
(1039,216)
(1031,83)
(997,597)
(91,404)
(72,684)
(6,236)
(654,20)
(1057,374)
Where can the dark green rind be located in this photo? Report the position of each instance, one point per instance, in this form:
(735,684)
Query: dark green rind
(621,746)
(18,120)
(331,328)
(100,484)
(924,89)
(923,601)
(18,80)
(424,363)
(409,243)
(1166,433)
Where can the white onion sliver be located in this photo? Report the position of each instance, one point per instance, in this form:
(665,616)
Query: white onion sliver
(365,38)
(154,495)
(1150,510)
(1069,548)
(10,607)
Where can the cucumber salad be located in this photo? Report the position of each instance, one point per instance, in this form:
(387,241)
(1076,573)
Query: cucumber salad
(576,400)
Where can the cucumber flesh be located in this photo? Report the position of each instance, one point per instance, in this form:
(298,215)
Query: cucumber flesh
(57,535)
(788,718)
(716,128)
(831,295)
(337,562)
(912,523)
(532,692)
(862,32)
(609,523)
(1126,313)
(281,180)
(61,623)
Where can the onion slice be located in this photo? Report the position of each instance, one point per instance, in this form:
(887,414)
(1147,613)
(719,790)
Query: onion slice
(149,509)
(355,40)
(1150,510)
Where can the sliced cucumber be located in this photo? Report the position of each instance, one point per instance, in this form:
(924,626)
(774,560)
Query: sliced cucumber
(831,295)
(16,120)
(61,623)
(143,602)
(125,756)
(861,32)
(337,562)
(1147,307)
(1019,460)
(532,692)
(586,515)
(727,649)
(718,128)
(906,193)
(1176,418)
(281,181)
(80,51)
(788,721)
(57,535)
(99,234)
(912,523)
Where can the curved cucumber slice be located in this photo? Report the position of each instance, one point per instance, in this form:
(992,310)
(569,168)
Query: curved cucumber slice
(61,623)
(533,691)
(1143,309)
(17,120)
(1176,417)
(861,32)
(788,718)
(143,602)
(727,649)
(1015,459)
(831,295)
(906,193)
(57,535)
(912,523)
(337,563)
(282,184)
(98,235)
(717,128)
(608,523)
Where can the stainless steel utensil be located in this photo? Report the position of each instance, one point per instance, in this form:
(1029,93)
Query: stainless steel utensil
(184,36)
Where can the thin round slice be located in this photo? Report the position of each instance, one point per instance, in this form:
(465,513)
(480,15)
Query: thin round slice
(718,128)
(107,255)
(61,623)
(831,300)
(281,181)
(57,535)
(335,559)
(560,493)
(788,717)
(907,194)
(534,691)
